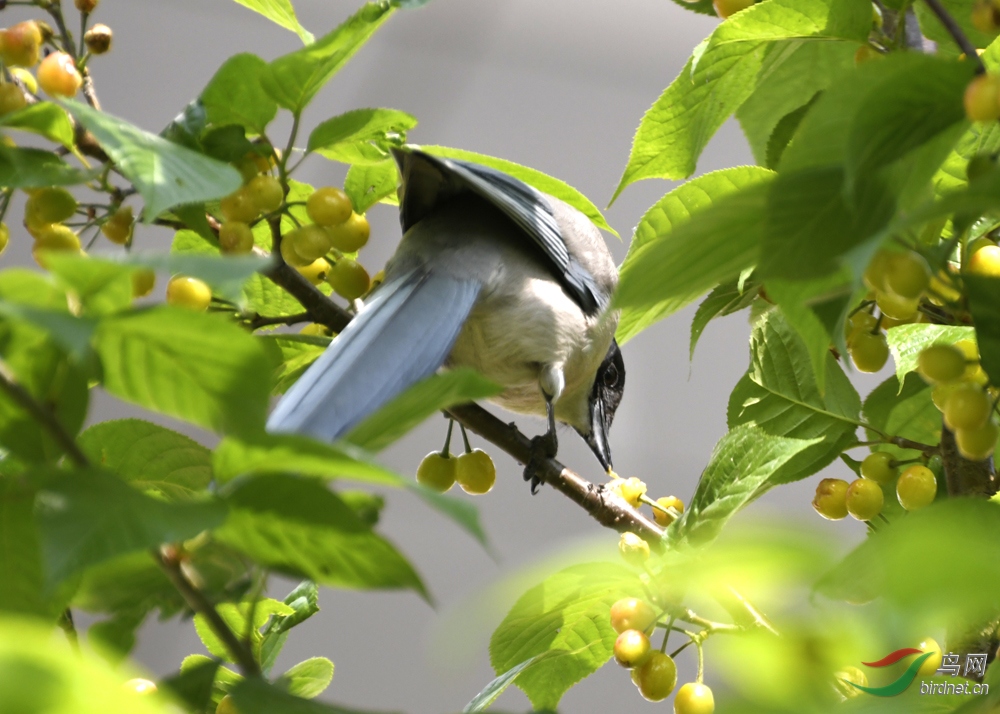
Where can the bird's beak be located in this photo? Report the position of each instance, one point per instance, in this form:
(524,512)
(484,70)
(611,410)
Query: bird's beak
(597,439)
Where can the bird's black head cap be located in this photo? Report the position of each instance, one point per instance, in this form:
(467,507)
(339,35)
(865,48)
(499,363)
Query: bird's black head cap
(605,396)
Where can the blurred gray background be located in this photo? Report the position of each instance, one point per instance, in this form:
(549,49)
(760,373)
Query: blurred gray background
(558,85)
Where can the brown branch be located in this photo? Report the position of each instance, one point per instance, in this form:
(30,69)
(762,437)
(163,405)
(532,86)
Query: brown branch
(45,417)
(196,600)
(956,33)
(606,507)
(964,477)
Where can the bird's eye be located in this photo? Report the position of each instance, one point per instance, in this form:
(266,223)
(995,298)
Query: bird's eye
(611,376)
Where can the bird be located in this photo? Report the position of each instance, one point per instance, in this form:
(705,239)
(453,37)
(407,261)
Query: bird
(491,274)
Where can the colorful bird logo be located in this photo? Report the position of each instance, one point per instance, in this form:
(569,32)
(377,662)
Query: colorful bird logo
(904,680)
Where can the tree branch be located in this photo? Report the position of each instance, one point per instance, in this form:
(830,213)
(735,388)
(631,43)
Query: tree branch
(956,33)
(258,321)
(196,600)
(964,477)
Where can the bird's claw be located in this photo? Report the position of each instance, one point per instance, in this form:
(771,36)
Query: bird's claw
(542,448)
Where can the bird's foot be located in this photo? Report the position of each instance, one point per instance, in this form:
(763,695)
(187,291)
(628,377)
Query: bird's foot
(542,448)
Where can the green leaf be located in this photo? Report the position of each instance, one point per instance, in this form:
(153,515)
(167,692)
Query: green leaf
(42,118)
(339,138)
(43,673)
(697,236)
(193,366)
(101,286)
(304,601)
(413,406)
(721,75)
(905,411)
(297,352)
(367,185)
(723,300)
(294,79)
(544,183)
(281,13)
(308,678)
(492,691)
(88,516)
(780,395)
(237,616)
(907,341)
(295,454)
(810,224)
(744,465)
(984,304)
(34,168)
(165,174)
(883,129)
(565,615)
(255,696)
(892,563)
(298,526)
(22,584)
(39,365)
(152,458)
(71,333)
(793,73)
(193,686)
(235,95)
(961,14)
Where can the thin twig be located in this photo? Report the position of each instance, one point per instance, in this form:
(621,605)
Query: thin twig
(67,625)
(956,33)
(196,600)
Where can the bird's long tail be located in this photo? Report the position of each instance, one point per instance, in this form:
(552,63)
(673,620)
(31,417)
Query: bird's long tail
(402,335)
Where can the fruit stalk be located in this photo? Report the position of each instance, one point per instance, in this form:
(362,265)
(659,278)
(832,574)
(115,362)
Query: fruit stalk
(956,33)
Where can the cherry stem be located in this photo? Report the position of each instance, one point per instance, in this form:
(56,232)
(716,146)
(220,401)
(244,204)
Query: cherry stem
(447,439)
(701,662)
(465,438)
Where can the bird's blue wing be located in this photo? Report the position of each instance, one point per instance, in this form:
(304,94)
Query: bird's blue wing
(402,336)
(429,181)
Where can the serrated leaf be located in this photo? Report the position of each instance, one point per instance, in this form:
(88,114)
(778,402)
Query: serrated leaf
(418,402)
(42,118)
(193,686)
(369,184)
(35,168)
(723,300)
(532,177)
(344,132)
(86,517)
(697,236)
(308,678)
(255,696)
(193,366)
(234,95)
(907,341)
(237,617)
(304,601)
(984,304)
(482,701)
(905,411)
(165,174)
(150,457)
(297,352)
(780,395)
(743,467)
(793,73)
(294,79)
(882,130)
(298,526)
(281,13)
(721,75)
(565,615)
